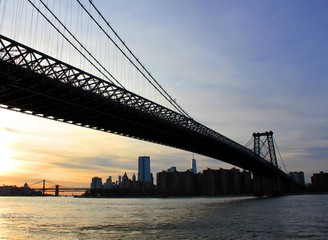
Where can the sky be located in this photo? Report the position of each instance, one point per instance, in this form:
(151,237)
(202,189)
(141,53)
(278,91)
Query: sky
(237,67)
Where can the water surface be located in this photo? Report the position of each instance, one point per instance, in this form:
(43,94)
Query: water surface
(289,217)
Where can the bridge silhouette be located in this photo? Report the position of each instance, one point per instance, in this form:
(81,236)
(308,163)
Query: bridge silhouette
(35,83)
(56,189)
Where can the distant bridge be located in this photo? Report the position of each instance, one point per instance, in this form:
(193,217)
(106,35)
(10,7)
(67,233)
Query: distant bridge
(54,188)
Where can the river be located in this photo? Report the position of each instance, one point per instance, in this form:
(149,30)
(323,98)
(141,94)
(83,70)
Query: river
(287,217)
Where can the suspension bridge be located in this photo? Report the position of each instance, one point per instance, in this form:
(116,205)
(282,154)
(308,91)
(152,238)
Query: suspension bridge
(38,84)
(48,187)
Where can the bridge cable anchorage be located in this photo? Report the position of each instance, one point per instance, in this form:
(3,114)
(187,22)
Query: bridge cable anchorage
(73,45)
(157,86)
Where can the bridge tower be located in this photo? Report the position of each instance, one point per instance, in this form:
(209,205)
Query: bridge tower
(43,187)
(264,147)
(266,144)
(56,190)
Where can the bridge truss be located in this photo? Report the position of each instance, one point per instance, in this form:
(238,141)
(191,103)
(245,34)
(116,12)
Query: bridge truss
(35,83)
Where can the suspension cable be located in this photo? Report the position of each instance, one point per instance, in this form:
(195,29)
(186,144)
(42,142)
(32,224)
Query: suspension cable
(35,183)
(2,18)
(76,41)
(159,88)
(280,155)
(249,142)
(51,182)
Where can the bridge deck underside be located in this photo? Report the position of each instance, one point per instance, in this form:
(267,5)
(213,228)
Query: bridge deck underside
(42,96)
(34,83)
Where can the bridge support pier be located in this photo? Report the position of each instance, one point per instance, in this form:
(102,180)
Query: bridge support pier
(43,187)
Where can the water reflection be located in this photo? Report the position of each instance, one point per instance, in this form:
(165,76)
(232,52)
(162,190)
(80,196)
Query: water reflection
(185,218)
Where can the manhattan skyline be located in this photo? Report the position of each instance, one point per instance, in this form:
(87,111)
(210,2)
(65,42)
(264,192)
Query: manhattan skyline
(237,67)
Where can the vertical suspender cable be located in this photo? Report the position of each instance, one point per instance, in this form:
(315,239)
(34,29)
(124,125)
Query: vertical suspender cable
(159,88)
(76,41)
(280,155)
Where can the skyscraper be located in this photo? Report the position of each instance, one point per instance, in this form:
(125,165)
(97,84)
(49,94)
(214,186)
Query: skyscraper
(108,183)
(193,166)
(96,183)
(144,169)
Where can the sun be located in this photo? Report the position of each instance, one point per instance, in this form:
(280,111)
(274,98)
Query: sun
(6,163)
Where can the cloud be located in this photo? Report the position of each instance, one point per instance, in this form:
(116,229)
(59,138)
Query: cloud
(273,18)
(11,130)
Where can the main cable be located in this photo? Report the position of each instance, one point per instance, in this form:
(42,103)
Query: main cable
(77,42)
(158,87)
(280,155)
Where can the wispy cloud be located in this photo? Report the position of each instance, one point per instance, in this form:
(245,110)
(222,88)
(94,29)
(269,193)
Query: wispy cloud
(272,18)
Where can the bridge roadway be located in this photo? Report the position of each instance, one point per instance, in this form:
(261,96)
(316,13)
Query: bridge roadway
(34,83)
(61,189)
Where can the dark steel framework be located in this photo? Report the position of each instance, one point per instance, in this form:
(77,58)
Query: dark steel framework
(265,146)
(35,83)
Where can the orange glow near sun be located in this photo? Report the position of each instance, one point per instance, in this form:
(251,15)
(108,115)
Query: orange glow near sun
(7,164)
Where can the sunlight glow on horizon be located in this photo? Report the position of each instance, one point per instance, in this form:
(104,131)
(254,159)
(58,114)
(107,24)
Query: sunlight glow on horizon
(71,155)
(7,163)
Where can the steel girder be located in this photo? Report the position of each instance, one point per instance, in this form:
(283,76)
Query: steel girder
(35,83)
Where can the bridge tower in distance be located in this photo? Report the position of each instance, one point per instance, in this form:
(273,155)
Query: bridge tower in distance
(264,147)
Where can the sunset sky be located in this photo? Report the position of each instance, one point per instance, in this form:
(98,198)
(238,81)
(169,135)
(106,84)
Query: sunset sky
(237,67)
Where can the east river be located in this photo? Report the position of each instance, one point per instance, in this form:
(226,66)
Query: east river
(288,217)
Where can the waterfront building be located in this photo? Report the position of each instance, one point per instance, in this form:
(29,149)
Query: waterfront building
(236,181)
(220,182)
(177,183)
(18,191)
(246,182)
(144,169)
(320,182)
(96,183)
(194,166)
(209,182)
(297,177)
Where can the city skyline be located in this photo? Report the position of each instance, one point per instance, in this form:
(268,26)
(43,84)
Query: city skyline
(236,67)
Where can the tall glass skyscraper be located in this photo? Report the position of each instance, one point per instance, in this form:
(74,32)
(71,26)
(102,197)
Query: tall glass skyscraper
(144,169)
(193,166)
